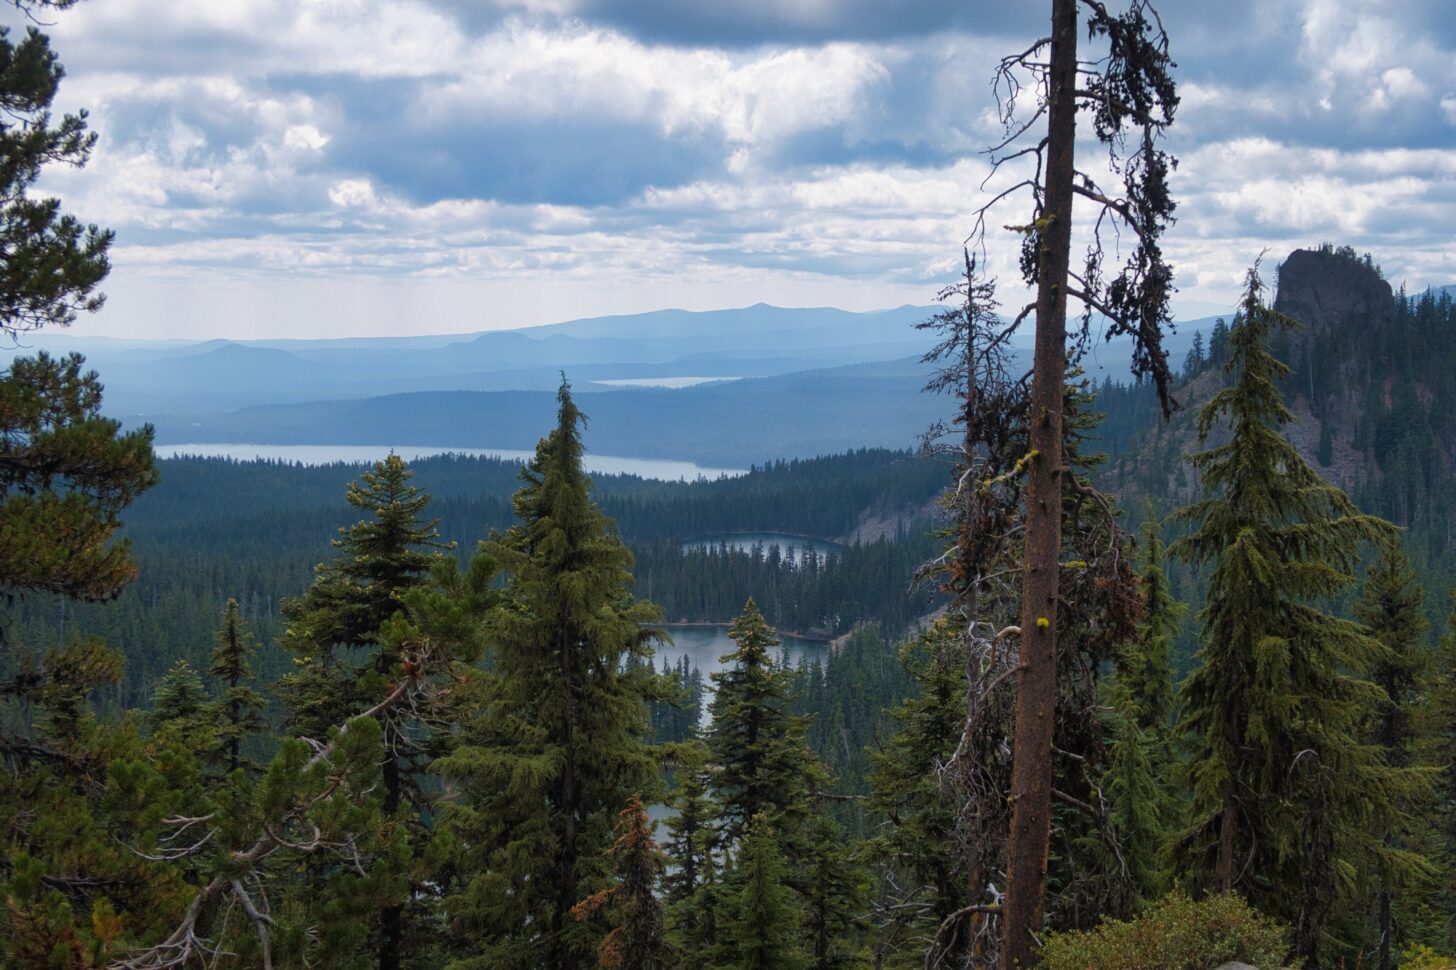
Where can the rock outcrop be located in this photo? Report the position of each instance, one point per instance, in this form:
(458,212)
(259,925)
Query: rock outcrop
(1325,289)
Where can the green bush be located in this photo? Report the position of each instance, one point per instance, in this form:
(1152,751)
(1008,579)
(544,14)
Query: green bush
(1424,958)
(1175,933)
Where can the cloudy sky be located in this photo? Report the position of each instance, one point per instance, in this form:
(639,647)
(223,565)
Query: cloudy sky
(335,167)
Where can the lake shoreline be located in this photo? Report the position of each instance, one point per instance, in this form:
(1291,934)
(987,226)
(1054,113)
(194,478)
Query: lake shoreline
(659,469)
(709,536)
(712,624)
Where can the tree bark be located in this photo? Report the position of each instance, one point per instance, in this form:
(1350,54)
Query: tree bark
(1227,830)
(1036,698)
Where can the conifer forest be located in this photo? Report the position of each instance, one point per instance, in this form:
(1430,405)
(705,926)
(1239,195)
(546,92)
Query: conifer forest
(1034,627)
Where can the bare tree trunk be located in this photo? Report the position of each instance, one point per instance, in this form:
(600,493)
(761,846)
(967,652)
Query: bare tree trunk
(1227,828)
(1036,698)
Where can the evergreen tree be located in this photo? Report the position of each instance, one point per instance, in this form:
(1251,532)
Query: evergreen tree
(66,474)
(762,765)
(943,780)
(691,841)
(1144,665)
(1193,360)
(78,797)
(334,628)
(1391,607)
(179,698)
(925,858)
(552,743)
(1140,717)
(240,708)
(1325,451)
(1282,781)
(65,471)
(1100,612)
(237,849)
(1135,783)
(834,887)
(1218,343)
(637,940)
(697,924)
(762,919)
(346,662)
(53,263)
(1438,748)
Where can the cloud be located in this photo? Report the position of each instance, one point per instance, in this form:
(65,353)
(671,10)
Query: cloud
(782,147)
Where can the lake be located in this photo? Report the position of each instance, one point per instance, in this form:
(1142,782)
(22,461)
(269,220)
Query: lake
(703,645)
(672,383)
(791,547)
(660,468)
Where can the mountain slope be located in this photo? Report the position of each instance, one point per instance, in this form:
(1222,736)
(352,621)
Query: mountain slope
(1372,388)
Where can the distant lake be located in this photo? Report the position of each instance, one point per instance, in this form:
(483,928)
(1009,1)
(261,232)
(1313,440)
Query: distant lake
(660,468)
(791,547)
(703,645)
(668,382)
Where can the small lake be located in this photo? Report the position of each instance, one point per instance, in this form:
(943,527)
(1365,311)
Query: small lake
(659,468)
(704,645)
(674,383)
(793,548)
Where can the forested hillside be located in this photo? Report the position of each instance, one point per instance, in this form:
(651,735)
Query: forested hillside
(1372,375)
(214,530)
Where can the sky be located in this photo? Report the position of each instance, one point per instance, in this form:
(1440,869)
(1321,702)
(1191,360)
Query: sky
(319,168)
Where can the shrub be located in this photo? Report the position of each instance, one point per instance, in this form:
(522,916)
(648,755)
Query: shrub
(1175,933)
(1420,957)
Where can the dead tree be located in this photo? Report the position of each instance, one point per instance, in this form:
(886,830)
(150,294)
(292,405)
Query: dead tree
(1129,95)
(983,445)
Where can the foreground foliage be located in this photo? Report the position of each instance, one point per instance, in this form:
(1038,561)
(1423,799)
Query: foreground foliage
(1175,933)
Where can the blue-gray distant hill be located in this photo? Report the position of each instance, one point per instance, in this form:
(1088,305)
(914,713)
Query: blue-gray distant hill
(150,378)
(797,383)
(733,423)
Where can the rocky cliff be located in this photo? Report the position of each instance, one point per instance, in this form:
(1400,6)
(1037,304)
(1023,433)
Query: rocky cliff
(1328,290)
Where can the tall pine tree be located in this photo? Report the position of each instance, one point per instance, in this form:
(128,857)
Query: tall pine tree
(345,662)
(1283,782)
(1140,716)
(553,745)
(637,939)
(1391,607)
(762,764)
(1438,748)
(761,916)
(240,708)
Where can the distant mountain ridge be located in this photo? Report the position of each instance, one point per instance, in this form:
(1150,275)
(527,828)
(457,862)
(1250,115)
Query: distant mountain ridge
(148,378)
(801,414)
(493,389)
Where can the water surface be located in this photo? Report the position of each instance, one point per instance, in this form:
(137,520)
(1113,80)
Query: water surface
(704,645)
(791,547)
(674,383)
(661,468)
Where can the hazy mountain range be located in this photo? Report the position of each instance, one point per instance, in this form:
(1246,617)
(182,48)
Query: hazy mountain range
(786,383)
